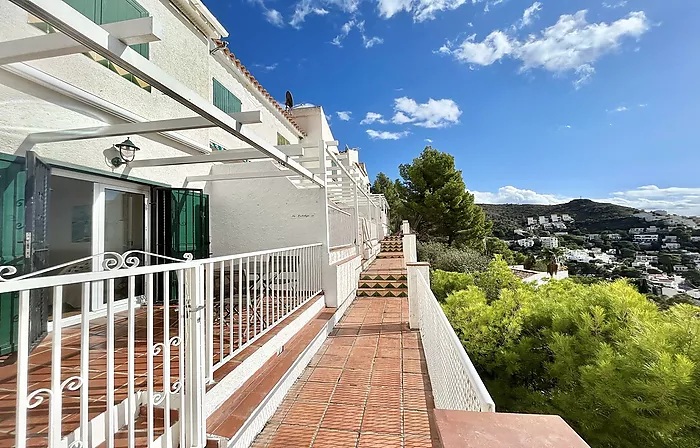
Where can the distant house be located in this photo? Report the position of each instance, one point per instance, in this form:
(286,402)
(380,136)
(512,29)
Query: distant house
(651,229)
(566,218)
(646,238)
(520,232)
(695,239)
(549,242)
(670,239)
(636,230)
(531,221)
(547,225)
(592,237)
(613,237)
(526,242)
(680,268)
(561,233)
(543,219)
(555,218)
(646,258)
(671,246)
(559,225)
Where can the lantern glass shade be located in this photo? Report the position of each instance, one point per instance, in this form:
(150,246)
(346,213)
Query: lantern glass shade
(127,150)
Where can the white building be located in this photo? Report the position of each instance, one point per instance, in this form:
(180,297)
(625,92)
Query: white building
(549,242)
(555,218)
(670,239)
(646,238)
(531,221)
(566,218)
(680,268)
(695,239)
(613,237)
(559,225)
(651,229)
(592,237)
(671,246)
(526,242)
(636,230)
(543,219)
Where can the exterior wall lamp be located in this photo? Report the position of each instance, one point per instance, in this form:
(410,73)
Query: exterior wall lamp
(127,153)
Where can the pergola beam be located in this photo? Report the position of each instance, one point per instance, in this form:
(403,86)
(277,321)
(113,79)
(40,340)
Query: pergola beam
(146,127)
(130,32)
(231,155)
(70,22)
(240,176)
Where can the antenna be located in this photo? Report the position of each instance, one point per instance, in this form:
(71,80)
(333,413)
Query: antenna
(288,100)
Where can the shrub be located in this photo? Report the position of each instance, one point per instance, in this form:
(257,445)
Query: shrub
(444,283)
(446,258)
(621,372)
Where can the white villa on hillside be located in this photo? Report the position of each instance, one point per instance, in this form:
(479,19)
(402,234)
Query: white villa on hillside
(549,242)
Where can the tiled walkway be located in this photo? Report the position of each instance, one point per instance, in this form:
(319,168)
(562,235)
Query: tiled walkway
(367,387)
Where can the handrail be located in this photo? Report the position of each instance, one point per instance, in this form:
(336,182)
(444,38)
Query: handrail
(480,389)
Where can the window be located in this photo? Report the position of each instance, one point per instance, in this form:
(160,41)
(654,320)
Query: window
(224,99)
(281,140)
(102,12)
(215,146)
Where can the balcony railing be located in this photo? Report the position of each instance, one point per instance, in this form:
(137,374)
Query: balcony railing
(146,366)
(455,382)
(341,225)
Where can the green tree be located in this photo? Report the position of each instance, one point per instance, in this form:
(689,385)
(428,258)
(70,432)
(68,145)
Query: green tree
(383,185)
(437,203)
(496,246)
(620,371)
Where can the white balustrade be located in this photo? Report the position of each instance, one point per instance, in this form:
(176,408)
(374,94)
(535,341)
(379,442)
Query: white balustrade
(143,358)
(455,382)
(341,225)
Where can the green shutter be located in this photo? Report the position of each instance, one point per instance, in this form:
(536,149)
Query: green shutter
(12,182)
(88,8)
(224,99)
(120,10)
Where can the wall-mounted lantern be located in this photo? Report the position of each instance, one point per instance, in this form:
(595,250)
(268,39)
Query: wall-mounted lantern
(127,153)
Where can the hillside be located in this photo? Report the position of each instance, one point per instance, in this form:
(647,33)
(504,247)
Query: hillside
(590,216)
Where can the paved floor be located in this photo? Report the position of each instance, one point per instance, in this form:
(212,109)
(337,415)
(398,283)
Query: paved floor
(367,387)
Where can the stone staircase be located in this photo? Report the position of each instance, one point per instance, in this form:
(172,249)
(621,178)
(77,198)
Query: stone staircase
(386,276)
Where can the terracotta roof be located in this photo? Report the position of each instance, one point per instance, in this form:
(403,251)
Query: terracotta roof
(237,62)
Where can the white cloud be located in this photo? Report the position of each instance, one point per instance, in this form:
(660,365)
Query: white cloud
(303,9)
(619,109)
(679,200)
(642,105)
(372,117)
(433,114)
(385,135)
(267,68)
(344,115)
(621,4)
(570,45)
(427,140)
(530,14)
(568,126)
(274,17)
(368,42)
(421,9)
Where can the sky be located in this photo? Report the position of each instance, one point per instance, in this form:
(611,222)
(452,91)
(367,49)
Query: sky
(538,101)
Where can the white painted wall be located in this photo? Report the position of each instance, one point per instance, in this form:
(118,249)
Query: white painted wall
(262,213)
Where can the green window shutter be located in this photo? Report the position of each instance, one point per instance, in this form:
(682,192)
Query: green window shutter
(224,99)
(120,10)
(88,8)
(281,140)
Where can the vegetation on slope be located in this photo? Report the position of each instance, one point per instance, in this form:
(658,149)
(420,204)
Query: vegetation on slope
(621,372)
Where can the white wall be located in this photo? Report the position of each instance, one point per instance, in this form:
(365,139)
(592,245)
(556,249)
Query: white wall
(248,215)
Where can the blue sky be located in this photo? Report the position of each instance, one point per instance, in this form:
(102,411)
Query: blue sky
(538,101)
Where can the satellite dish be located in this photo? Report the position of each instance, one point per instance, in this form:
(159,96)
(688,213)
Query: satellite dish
(289,100)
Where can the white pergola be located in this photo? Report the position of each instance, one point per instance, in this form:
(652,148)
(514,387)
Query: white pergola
(78,34)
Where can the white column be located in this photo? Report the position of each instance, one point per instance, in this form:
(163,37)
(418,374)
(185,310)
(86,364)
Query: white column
(358,229)
(328,277)
(413,271)
(409,249)
(195,389)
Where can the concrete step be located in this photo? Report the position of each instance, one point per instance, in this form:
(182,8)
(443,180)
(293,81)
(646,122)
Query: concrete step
(379,284)
(384,275)
(384,292)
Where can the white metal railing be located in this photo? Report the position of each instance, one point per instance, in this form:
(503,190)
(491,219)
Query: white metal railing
(341,225)
(455,382)
(145,367)
(248,294)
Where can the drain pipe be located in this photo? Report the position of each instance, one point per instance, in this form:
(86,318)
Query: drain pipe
(50,82)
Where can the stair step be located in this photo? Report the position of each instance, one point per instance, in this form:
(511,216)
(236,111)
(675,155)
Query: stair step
(385,292)
(383,276)
(379,284)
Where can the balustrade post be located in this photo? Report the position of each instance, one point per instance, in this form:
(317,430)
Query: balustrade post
(194,390)
(414,269)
